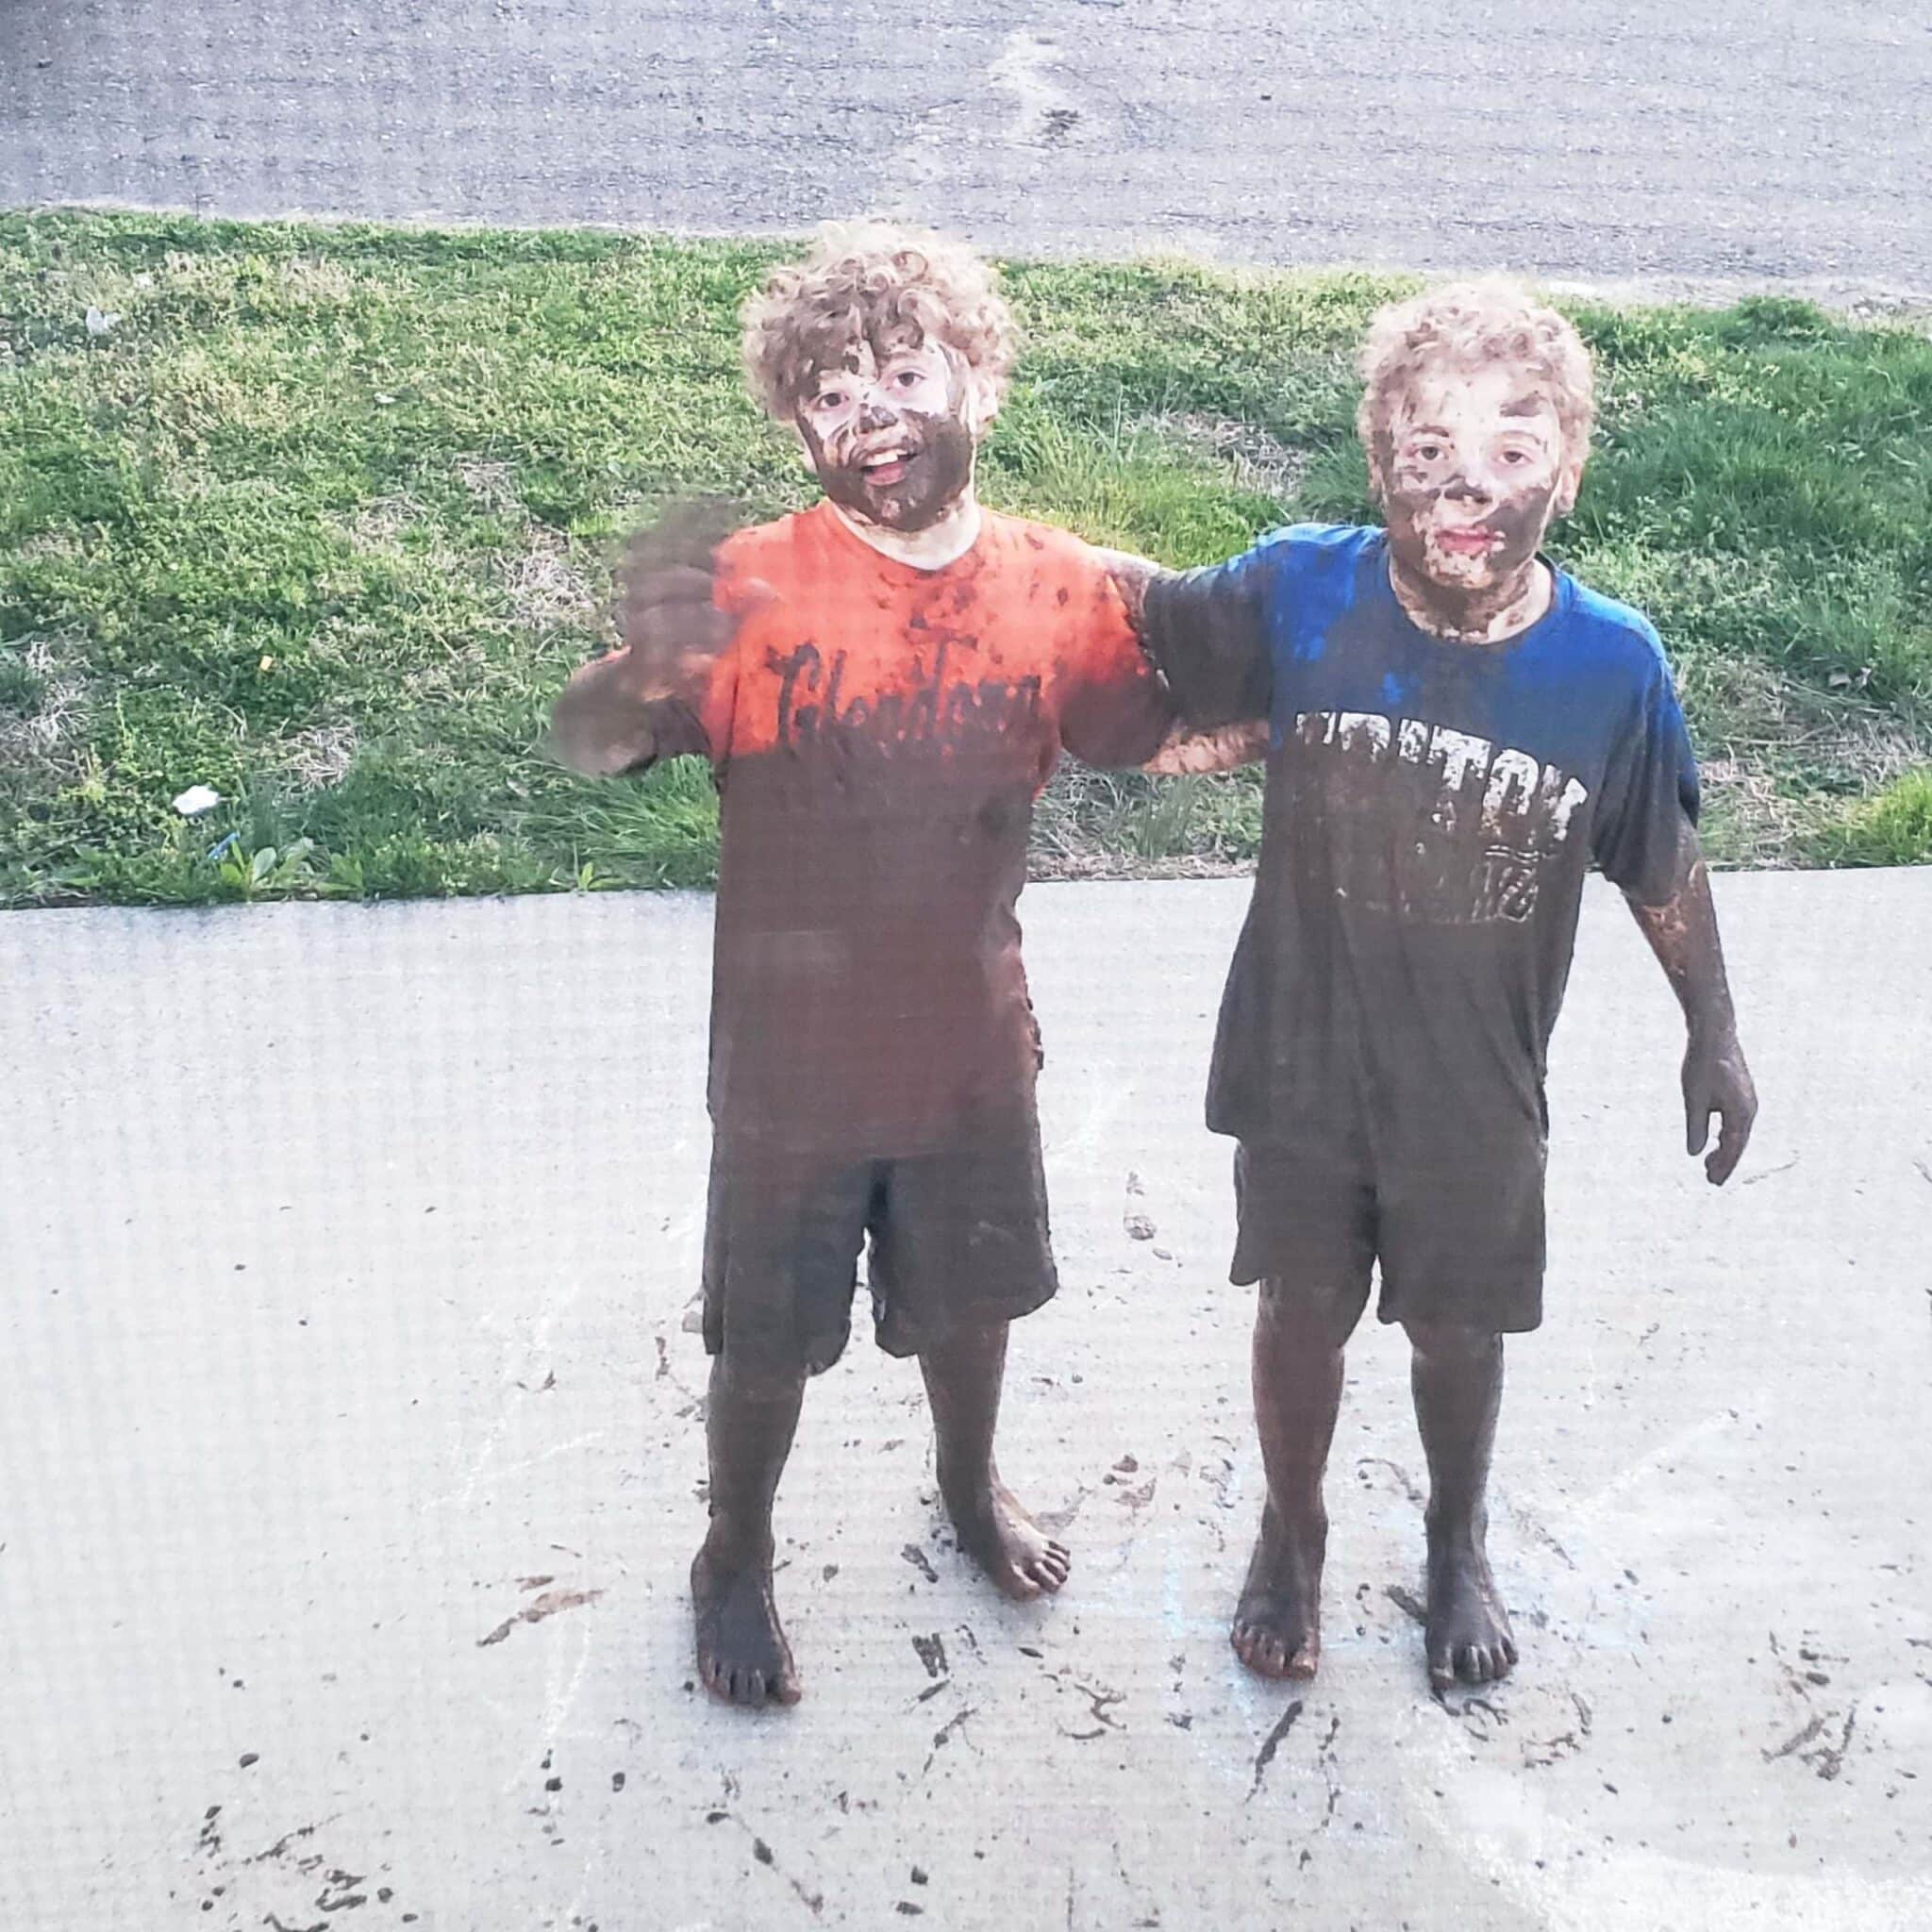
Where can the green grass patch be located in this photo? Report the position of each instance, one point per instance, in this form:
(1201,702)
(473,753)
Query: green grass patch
(323,517)
(1893,827)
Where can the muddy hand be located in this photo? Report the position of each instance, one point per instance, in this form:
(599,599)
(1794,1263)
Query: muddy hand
(671,626)
(1717,1081)
(1185,749)
(608,719)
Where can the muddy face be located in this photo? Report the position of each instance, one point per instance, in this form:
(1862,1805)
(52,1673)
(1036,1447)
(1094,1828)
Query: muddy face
(1472,472)
(892,430)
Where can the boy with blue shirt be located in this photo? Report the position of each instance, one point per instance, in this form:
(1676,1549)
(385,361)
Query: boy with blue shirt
(1456,731)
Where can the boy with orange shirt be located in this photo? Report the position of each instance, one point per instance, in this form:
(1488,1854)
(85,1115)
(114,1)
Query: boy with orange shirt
(883,684)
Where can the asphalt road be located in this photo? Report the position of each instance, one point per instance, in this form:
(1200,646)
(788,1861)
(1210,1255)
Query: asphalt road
(1772,141)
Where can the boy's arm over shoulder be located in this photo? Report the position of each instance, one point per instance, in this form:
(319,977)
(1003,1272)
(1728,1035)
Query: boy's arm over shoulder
(1188,747)
(1126,708)
(1114,710)
(665,692)
(1208,631)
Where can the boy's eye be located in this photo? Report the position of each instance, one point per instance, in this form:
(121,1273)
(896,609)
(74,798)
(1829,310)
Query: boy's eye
(1428,451)
(907,377)
(829,399)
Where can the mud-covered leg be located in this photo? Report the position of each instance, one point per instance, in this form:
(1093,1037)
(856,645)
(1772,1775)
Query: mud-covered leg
(1456,1374)
(1299,1334)
(743,1655)
(963,1375)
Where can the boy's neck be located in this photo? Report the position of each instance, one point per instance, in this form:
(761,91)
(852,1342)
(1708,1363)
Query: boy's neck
(1490,616)
(932,548)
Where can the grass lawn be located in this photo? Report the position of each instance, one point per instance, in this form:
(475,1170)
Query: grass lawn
(323,517)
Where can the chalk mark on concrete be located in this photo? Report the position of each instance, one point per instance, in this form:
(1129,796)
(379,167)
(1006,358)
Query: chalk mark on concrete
(548,1605)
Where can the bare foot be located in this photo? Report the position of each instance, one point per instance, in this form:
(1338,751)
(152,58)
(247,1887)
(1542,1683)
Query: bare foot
(1004,1542)
(742,1656)
(1468,1634)
(1277,1624)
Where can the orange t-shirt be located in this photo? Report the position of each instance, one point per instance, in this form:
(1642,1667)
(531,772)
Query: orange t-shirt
(879,734)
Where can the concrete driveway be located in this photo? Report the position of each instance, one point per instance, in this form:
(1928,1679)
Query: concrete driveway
(1768,142)
(352,1440)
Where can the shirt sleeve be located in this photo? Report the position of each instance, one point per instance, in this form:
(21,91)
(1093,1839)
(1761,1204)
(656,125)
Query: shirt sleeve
(1208,631)
(1114,710)
(1650,790)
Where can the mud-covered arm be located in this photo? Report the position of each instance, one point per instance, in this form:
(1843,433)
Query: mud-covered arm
(1115,709)
(1644,836)
(1206,632)
(649,699)
(1186,749)
(607,722)
(1682,931)
(1186,746)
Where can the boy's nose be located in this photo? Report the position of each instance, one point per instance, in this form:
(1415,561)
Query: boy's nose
(1462,486)
(877,415)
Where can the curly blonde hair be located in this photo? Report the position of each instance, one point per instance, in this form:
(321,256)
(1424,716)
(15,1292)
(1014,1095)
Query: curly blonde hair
(861,276)
(1467,324)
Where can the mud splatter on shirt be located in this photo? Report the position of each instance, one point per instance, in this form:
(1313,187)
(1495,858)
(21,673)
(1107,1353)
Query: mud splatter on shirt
(1432,809)
(879,734)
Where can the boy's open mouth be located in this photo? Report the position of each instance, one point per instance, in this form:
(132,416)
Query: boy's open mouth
(1470,542)
(884,467)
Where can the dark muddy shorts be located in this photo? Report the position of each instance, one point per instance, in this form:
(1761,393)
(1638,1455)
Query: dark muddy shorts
(956,1238)
(1458,1237)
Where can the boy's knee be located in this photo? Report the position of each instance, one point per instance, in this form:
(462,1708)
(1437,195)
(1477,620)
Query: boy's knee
(751,1382)
(1452,1341)
(1314,1315)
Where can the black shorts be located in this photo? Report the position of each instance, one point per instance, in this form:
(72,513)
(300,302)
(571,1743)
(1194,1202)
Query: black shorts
(1460,1235)
(957,1237)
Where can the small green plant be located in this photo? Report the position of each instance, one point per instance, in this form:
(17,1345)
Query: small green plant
(1893,828)
(268,869)
(22,689)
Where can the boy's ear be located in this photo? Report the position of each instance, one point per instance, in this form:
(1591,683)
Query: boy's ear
(980,402)
(1375,448)
(1568,483)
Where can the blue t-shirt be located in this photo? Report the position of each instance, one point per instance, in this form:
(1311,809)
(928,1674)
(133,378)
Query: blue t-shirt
(1432,808)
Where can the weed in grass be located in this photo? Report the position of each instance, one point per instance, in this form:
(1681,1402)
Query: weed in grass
(1894,828)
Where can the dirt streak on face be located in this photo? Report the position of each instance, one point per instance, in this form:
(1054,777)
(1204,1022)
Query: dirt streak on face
(891,429)
(1472,471)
